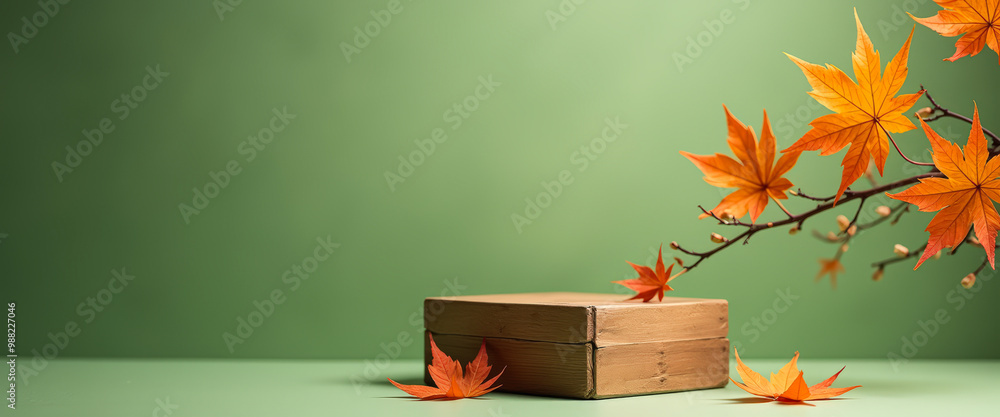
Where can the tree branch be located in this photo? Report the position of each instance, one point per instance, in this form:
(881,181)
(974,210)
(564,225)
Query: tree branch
(798,220)
(913,253)
(948,113)
(799,193)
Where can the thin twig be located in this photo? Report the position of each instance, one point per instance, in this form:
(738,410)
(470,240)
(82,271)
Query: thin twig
(905,209)
(857,213)
(913,253)
(799,193)
(901,207)
(967,236)
(948,113)
(752,228)
(981,266)
(731,222)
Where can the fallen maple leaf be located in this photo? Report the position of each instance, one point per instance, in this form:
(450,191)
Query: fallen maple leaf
(451,382)
(865,110)
(965,198)
(978,20)
(755,178)
(650,283)
(787,384)
(832,267)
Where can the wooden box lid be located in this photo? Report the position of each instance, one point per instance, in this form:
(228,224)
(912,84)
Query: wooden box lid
(565,317)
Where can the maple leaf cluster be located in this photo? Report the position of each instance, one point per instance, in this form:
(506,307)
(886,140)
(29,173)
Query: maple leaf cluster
(961,185)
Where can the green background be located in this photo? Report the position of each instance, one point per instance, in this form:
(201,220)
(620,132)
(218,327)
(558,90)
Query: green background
(324,174)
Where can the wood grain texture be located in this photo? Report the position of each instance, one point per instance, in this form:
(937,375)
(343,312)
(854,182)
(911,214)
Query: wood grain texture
(606,319)
(480,316)
(537,368)
(681,319)
(647,368)
(586,345)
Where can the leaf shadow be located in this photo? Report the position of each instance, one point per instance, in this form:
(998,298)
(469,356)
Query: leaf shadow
(747,400)
(759,400)
(403,381)
(410,398)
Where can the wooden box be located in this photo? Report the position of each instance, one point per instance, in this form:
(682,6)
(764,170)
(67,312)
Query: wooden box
(586,345)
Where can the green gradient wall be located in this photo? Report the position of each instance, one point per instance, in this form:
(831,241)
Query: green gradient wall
(319,172)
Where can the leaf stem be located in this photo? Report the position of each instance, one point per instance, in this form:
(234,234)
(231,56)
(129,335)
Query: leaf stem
(778,202)
(948,113)
(925,164)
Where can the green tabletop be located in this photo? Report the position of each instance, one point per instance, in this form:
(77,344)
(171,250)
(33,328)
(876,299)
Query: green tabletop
(331,388)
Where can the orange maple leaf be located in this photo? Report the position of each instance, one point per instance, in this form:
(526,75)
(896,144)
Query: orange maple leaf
(650,283)
(787,384)
(865,111)
(451,382)
(757,177)
(965,198)
(832,267)
(979,20)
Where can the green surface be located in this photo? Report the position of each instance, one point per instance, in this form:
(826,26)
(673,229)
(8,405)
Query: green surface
(322,388)
(323,175)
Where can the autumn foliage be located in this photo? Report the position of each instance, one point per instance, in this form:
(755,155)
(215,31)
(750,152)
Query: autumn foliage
(788,384)
(976,21)
(451,381)
(866,110)
(650,283)
(963,199)
(755,175)
(960,184)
